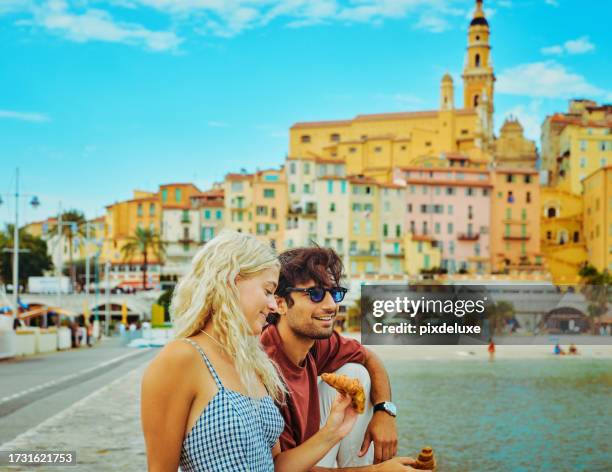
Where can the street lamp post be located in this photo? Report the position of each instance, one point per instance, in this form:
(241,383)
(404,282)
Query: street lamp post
(34,202)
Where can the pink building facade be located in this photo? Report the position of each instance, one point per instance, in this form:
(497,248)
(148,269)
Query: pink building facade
(451,205)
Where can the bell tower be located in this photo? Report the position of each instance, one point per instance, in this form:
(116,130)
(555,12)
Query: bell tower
(478,77)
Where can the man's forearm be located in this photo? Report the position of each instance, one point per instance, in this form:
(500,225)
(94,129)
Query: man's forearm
(381,387)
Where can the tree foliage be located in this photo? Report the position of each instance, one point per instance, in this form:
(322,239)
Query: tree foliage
(31,263)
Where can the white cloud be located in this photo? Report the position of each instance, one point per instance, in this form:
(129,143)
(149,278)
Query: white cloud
(9,6)
(433,23)
(573,46)
(547,79)
(34,117)
(554,3)
(94,24)
(228,18)
(579,46)
(530,116)
(79,20)
(552,50)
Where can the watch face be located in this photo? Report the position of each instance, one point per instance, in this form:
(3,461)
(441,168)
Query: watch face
(390,408)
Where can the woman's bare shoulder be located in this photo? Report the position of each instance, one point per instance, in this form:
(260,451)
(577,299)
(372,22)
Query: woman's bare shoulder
(175,360)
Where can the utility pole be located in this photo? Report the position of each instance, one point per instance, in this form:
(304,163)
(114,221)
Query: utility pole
(16,250)
(60,257)
(107,311)
(34,202)
(87,270)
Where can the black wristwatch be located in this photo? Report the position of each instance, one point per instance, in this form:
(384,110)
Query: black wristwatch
(387,407)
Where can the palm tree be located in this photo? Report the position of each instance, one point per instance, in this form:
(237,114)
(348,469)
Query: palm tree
(597,289)
(73,222)
(144,242)
(498,314)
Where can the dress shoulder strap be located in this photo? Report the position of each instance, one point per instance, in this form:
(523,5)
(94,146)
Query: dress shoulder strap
(212,370)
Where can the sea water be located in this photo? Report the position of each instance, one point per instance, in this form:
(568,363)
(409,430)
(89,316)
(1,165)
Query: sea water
(508,415)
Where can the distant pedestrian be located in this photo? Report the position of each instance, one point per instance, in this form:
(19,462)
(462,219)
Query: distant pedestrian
(491,350)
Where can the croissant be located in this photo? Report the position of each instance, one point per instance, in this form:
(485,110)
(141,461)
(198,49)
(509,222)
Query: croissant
(426,459)
(349,386)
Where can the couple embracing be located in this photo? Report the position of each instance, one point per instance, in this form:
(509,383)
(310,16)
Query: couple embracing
(239,388)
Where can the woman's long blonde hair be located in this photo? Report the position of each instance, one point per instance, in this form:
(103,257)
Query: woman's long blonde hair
(208,292)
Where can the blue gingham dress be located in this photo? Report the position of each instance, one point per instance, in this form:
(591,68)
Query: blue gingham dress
(234,433)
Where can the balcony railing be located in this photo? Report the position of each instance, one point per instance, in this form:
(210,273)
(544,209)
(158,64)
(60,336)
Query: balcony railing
(517,237)
(364,252)
(394,253)
(468,236)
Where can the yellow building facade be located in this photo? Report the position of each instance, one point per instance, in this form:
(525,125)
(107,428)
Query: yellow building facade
(121,221)
(258,204)
(270,206)
(577,143)
(515,221)
(373,144)
(561,234)
(598,218)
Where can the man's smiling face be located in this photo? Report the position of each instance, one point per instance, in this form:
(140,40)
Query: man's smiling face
(308,319)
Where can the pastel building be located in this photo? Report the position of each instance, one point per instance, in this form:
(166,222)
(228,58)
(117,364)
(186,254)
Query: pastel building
(449,208)
(561,234)
(210,206)
(577,143)
(269,206)
(180,226)
(364,225)
(333,215)
(515,221)
(304,197)
(392,231)
(238,191)
(122,219)
(257,204)
(348,220)
(598,218)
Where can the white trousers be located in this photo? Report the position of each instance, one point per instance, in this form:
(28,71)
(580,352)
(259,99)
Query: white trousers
(344,453)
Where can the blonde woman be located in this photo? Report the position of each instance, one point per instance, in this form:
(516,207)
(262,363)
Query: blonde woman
(208,397)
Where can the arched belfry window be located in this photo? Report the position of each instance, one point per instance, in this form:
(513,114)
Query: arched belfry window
(477,60)
(476,98)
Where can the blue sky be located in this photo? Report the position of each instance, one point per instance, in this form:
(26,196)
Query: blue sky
(104,96)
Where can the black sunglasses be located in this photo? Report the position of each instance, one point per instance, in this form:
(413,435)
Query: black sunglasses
(317,294)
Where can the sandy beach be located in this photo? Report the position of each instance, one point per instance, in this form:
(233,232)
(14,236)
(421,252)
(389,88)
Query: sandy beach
(534,348)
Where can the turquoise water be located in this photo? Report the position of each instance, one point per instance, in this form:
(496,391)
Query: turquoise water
(508,415)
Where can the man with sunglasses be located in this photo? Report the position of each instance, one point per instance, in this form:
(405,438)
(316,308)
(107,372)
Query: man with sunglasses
(301,339)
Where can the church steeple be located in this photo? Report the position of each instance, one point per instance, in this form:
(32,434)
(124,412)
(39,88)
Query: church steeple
(478,77)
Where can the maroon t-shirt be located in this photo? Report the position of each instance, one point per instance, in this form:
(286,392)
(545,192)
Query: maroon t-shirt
(301,408)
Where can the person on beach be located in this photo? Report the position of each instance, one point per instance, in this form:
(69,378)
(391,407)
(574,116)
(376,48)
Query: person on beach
(208,398)
(301,340)
(558,351)
(491,349)
(573,350)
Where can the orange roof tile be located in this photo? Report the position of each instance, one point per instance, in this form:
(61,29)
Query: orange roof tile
(450,183)
(234,176)
(465,170)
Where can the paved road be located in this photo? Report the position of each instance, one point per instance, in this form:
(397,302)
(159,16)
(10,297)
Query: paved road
(85,400)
